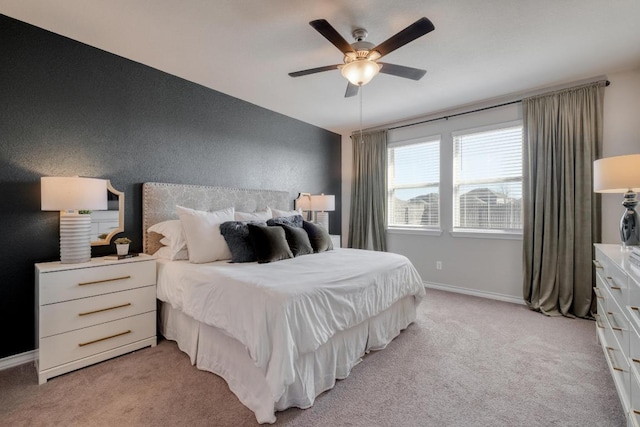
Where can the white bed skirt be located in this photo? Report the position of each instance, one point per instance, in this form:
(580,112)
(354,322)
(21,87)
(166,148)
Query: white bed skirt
(212,350)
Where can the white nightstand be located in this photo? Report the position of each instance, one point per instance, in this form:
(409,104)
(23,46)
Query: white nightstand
(93,311)
(336,240)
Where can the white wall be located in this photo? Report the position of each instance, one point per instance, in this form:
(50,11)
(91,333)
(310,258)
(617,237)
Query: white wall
(493,267)
(621,136)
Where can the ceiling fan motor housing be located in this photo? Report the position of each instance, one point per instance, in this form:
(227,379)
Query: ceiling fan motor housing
(360,57)
(362,51)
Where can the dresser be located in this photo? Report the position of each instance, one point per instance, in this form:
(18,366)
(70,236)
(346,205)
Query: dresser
(90,312)
(618,323)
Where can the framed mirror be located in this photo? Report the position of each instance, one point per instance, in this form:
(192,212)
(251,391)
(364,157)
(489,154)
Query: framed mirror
(106,224)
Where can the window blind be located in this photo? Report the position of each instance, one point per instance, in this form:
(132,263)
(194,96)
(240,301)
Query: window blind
(414,184)
(488,178)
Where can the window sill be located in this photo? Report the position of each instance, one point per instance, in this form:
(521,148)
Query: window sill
(486,234)
(420,231)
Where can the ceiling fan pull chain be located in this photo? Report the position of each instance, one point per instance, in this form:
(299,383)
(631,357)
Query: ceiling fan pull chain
(361,140)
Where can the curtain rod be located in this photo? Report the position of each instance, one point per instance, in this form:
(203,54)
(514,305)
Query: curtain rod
(607,83)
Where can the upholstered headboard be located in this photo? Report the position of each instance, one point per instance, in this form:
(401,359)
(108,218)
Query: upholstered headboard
(159,202)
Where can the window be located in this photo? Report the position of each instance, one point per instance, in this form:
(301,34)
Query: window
(487,178)
(413,184)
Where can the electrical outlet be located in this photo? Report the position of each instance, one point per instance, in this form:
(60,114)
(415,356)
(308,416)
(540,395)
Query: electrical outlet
(438,265)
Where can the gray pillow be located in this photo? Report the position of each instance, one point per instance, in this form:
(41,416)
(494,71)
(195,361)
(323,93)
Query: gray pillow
(318,236)
(298,240)
(269,243)
(236,234)
(291,221)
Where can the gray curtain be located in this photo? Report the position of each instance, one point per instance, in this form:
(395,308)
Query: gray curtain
(369,191)
(562,138)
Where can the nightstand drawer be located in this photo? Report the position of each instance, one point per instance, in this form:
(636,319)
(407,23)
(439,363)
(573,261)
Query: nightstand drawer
(57,286)
(75,345)
(77,314)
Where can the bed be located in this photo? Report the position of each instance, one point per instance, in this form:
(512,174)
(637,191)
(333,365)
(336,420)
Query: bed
(279,333)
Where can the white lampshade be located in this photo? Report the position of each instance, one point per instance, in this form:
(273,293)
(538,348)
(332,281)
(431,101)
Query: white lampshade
(303,202)
(72,193)
(621,174)
(360,72)
(323,203)
(68,195)
(617,174)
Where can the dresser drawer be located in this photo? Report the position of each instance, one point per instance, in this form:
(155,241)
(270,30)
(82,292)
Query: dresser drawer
(635,401)
(612,278)
(633,311)
(76,314)
(634,350)
(57,286)
(75,345)
(620,369)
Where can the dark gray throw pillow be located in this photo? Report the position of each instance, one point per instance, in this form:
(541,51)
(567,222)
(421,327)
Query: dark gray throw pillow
(236,234)
(298,240)
(291,221)
(269,243)
(318,236)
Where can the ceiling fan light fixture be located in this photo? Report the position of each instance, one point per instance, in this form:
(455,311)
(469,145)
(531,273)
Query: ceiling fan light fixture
(360,72)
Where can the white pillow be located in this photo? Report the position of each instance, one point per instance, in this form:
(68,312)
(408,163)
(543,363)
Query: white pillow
(202,230)
(165,253)
(255,216)
(173,236)
(275,213)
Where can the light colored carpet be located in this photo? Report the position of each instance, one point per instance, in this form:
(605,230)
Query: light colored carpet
(466,361)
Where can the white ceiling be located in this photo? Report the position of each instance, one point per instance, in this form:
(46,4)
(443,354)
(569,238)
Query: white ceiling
(480,49)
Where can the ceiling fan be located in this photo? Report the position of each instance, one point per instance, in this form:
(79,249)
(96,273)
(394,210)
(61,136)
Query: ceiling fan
(361,58)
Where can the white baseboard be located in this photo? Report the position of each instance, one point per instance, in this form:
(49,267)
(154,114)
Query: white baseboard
(18,359)
(474,292)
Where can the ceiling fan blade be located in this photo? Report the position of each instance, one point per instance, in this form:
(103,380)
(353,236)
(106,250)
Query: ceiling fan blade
(330,33)
(418,29)
(352,90)
(402,71)
(314,70)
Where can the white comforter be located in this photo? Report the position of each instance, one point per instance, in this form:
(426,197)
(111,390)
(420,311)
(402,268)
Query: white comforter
(283,309)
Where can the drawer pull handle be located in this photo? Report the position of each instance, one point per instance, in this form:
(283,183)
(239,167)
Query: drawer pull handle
(613,285)
(615,368)
(598,324)
(636,361)
(104,281)
(104,309)
(82,344)
(636,412)
(597,264)
(635,308)
(610,316)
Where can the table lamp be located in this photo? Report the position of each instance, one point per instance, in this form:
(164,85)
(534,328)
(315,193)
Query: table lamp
(303,202)
(621,174)
(322,204)
(70,195)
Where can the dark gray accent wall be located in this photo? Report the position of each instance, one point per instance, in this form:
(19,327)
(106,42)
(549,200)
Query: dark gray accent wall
(70,109)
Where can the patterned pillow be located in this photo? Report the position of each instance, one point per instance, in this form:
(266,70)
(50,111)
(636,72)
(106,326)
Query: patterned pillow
(291,221)
(318,236)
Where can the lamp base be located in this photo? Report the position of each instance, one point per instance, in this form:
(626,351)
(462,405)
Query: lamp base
(322,219)
(630,222)
(75,238)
